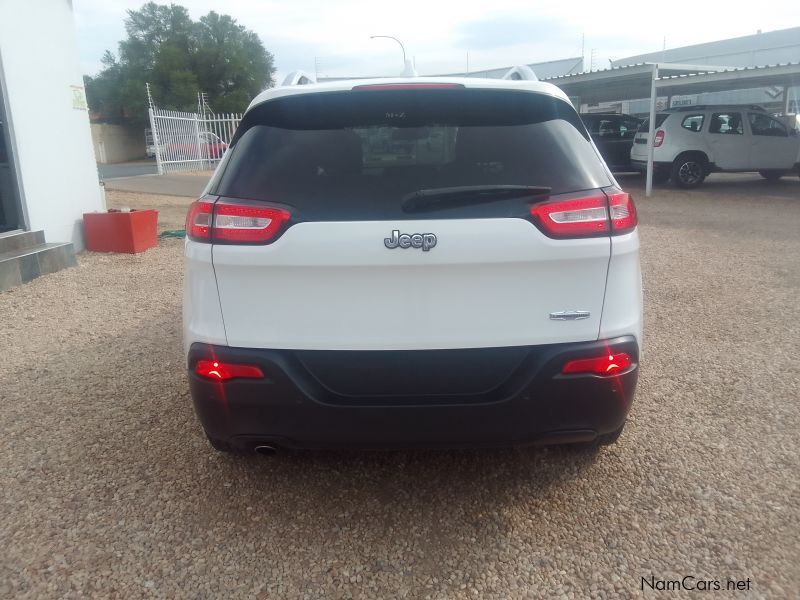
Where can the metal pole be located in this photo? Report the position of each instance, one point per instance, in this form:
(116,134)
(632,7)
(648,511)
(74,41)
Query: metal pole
(583,52)
(652,134)
(199,142)
(389,37)
(154,134)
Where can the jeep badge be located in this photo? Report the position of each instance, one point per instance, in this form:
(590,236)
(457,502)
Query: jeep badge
(426,241)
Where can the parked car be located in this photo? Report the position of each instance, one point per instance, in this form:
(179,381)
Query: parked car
(412,262)
(205,146)
(693,141)
(150,150)
(150,146)
(613,135)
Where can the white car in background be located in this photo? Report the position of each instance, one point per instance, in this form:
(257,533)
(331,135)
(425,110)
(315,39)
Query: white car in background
(693,141)
(150,145)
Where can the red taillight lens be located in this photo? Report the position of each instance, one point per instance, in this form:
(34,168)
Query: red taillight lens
(609,364)
(223,371)
(584,217)
(623,213)
(229,222)
(198,221)
(247,224)
(407,86)
(659,139)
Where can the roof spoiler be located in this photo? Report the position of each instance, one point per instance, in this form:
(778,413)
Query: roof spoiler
(298,78)
(521,72)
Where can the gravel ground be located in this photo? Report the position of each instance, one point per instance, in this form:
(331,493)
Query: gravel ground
(171,213)
(109,488)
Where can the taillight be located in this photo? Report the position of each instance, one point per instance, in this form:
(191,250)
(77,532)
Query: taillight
(659,139)
(198,221)
(230,222)
(586,217)
(606,365)
(583,217)
(246,223)
(224,371)
(623,213)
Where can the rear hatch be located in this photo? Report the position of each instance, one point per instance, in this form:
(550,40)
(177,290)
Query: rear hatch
(639,150)
(405,222)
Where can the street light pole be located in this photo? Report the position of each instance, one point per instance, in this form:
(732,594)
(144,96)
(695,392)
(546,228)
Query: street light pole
(389,37)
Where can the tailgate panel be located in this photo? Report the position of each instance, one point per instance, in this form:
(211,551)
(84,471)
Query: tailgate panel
(335,286)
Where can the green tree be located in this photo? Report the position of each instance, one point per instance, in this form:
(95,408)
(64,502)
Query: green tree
(105,90)
(180,57)
(230,62)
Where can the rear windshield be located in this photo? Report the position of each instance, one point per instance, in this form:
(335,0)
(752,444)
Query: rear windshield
(660,118)
(358,154)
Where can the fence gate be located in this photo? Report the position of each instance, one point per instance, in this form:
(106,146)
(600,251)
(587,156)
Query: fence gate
(190,141)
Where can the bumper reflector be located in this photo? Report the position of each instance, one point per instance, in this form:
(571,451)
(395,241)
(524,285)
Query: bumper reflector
(609,364)
(222,371)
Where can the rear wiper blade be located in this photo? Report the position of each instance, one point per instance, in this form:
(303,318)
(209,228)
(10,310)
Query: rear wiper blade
(440,198)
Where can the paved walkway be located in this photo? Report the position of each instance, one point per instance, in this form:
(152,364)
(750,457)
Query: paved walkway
(173,184)
(127,169)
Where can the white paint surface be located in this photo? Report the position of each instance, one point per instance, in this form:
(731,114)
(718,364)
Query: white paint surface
(334,286)
(51,139)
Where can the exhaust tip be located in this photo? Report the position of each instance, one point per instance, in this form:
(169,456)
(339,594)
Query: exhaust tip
(265,450)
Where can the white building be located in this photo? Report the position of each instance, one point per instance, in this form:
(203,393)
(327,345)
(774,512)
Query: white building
(48,175)
(768,48)
(543,70)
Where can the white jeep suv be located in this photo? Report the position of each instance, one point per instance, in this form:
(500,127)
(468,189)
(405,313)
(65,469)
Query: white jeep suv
(693,141)
(412,262)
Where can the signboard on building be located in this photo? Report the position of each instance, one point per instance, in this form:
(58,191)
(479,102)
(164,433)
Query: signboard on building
(78,97)
(683,101)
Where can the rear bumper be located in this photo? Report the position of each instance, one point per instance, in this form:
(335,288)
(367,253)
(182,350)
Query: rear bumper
(641,165)
(534,403)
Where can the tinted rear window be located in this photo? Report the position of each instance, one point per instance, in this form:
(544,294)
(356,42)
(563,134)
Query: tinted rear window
(660,118)
(356,155)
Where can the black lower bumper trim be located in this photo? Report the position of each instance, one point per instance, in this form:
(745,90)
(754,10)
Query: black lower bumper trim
(526,400)
(641,166)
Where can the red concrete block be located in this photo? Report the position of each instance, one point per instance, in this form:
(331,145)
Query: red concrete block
(128,232)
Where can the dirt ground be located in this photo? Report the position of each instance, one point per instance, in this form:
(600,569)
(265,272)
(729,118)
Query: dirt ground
(109,488)
(171,209)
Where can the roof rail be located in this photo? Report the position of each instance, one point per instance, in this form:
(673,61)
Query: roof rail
(521,72)
(298,78)
(409,70)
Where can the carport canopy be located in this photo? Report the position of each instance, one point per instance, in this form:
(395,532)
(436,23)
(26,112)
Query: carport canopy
(651,79)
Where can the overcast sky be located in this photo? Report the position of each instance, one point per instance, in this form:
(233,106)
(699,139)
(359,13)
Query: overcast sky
(334,34)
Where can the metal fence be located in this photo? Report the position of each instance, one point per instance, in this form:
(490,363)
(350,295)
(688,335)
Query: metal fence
(190,141)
